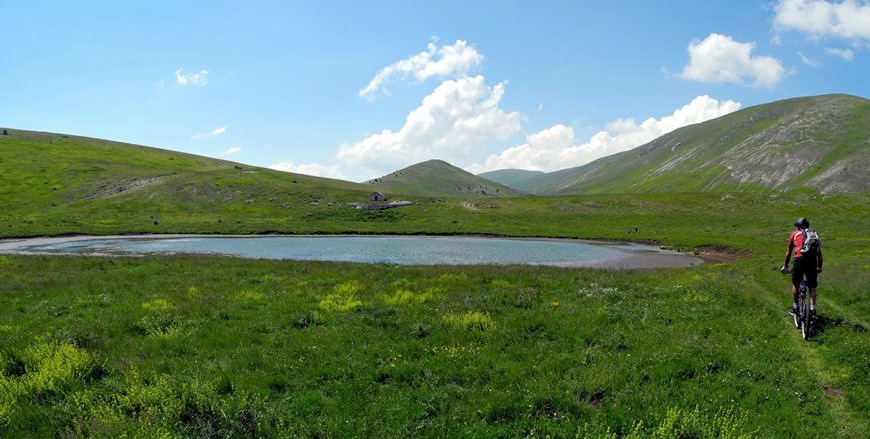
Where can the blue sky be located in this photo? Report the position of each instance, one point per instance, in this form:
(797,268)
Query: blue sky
(357,89)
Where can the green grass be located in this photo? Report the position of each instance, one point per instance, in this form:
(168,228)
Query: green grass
(216,347)
(219,347)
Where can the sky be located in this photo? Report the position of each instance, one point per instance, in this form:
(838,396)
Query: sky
(357,89)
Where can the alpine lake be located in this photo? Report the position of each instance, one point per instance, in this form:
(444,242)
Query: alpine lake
(399,250)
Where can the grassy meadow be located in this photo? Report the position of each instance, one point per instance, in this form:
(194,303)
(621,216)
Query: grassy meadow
(220,347)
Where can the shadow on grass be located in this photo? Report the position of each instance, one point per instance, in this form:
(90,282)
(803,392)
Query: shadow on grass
(822,323)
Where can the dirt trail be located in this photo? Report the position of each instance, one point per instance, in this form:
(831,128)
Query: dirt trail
(825,373)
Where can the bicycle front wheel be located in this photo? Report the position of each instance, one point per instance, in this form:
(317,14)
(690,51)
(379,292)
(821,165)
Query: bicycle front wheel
(806,324)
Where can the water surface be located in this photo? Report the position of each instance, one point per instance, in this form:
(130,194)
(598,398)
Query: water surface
(409,250)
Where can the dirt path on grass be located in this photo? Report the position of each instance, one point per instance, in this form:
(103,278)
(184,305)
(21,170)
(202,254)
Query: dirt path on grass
(850,423)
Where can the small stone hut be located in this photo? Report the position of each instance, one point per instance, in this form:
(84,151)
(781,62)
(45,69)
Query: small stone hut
(377,196)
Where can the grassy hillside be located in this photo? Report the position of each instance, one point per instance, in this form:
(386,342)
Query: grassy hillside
(52,183)
(821,143)
(218,347)
(545,183)
(510,177)
(437,178)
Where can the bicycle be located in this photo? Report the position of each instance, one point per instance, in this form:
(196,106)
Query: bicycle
(803,318)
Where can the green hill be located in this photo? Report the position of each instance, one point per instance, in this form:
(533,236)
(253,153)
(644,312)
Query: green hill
(540,183)
(821,143)
(180,346)
(510,177)
(437,178)
(54,183)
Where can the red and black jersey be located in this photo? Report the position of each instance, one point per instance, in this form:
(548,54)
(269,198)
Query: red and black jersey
(796,241)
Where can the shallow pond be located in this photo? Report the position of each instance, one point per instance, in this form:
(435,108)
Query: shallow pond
(411,250)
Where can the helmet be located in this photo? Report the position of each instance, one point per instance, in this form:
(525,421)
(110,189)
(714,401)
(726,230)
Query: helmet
(802,223)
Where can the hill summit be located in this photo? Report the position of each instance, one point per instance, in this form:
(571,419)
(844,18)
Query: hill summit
(437,178)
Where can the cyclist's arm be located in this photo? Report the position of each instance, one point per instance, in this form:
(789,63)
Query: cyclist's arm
(820,259)
(789,252)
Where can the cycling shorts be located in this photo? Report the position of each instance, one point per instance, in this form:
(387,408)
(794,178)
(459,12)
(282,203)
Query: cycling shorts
(804,267)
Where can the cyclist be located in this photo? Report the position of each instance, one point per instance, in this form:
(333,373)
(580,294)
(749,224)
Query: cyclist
(807,264)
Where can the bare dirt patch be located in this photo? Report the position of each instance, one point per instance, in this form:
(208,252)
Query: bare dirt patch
(111,189)
(834,392)
(719,253)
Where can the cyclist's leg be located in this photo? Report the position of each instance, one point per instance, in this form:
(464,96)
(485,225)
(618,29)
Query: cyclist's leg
(797,276)
(812,282)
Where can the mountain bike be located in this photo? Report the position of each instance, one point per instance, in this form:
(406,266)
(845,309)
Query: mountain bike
(803,318)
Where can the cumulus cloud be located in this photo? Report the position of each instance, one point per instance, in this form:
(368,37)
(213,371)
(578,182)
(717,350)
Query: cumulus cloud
(459,118)
(557,147)
(848,19)
(720,59)
(445,61)
(328,171)
(233,150)
(213,133)
(844,54)
(197,79)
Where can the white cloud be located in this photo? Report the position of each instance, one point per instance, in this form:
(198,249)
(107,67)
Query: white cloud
(844,54)
(233,150)
(213,133)
(459,118)
(848,19)
(197,79)
(556,147)
(720,59)
(328,171)
(446,61)
(807,60)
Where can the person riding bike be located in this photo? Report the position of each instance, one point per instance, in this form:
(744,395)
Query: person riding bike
(807,264)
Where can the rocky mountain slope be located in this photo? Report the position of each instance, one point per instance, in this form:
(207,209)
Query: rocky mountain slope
(821,143)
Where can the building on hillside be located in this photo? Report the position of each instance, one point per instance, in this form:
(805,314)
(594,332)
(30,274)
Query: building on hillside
(377,196)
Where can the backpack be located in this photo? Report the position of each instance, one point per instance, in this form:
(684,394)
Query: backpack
(812,242)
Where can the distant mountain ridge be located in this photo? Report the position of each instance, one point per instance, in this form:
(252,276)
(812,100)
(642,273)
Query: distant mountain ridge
(819,142)
(437,178)
(510,177)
